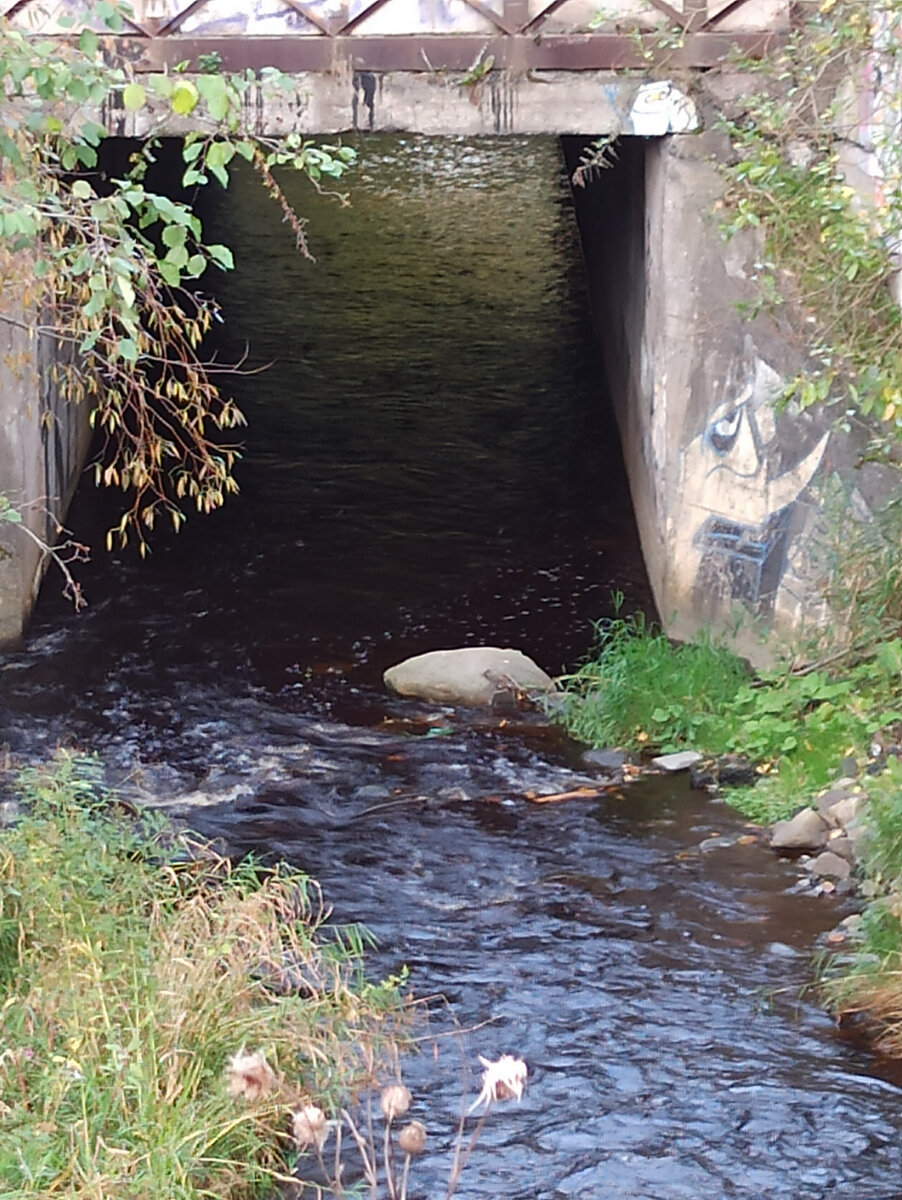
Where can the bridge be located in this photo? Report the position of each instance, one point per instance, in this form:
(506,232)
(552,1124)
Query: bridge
(725,488)
(442,66)
(436,35)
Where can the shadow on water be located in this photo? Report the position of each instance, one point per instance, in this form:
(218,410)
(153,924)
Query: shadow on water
(431,461)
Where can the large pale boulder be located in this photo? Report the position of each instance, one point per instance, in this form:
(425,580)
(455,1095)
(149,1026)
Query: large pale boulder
(475,675)
(807,830)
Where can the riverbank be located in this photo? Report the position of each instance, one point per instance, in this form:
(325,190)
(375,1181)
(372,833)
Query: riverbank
(822,767)
(167,1014)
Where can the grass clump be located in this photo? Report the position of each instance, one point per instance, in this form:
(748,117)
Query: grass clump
(865,985)
(641,689)
(135,967)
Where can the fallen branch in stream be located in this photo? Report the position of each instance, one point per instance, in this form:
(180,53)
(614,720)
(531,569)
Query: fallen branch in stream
(583,792)
(580,793)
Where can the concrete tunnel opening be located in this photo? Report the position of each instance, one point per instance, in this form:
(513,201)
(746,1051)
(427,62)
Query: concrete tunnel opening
(511,436)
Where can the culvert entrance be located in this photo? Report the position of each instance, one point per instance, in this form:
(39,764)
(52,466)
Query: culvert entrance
(431,457)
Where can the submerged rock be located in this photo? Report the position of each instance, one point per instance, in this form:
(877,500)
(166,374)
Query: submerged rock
(474,675)
(611,759)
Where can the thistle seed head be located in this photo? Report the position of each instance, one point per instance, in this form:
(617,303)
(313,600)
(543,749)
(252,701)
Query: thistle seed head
(412,1138)
(394,1101)
(504,1079)
(250,1076)
(309,1127)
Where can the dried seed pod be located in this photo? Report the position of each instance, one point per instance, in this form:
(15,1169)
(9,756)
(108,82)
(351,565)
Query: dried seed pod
(412,1138)
(250,1076)
(310,1127)
(394,1101)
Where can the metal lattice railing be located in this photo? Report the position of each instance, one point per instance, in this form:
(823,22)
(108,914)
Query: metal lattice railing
(417,35)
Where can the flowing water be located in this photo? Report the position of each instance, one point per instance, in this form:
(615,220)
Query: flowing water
(431,462)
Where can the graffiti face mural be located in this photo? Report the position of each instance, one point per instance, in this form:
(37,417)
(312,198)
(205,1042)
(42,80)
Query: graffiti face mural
(746,478)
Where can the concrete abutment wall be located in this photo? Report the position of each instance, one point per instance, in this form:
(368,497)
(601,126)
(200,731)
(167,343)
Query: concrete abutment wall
(43,445)
(729,489)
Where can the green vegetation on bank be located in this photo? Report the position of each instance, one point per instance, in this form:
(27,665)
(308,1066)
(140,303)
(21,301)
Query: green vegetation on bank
(798,726)
(827,262)
(828,251)
(643,691)
(162,1011)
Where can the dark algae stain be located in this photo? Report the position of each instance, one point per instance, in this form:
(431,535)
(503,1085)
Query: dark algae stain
(365,88)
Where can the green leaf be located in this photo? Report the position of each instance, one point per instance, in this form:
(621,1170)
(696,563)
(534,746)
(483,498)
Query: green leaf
(109,14)
(222,256)
(215,92)
(219,154)
(127,350)
(9,150)
(87,156)
(174,235)
(92,133)
(125,289)
(134,96)
(170,273)
(88,43)
(221,174)
(82,190)
(177,257)
(95,305)
(161,85)
(184,97)
(196,265)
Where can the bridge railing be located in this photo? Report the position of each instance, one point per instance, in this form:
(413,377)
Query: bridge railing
(433,35)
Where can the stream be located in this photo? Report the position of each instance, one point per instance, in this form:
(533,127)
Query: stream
(431,461)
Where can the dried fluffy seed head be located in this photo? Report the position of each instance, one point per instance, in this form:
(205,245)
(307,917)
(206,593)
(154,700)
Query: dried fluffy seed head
(310,1127)
(250,1076)
(412,1138)
(394,1101)
(501,1080)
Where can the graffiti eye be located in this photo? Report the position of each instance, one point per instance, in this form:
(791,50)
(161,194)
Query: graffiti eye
(722,433)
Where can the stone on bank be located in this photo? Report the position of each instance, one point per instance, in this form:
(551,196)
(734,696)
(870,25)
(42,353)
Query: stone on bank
(807,830)
(481,676)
